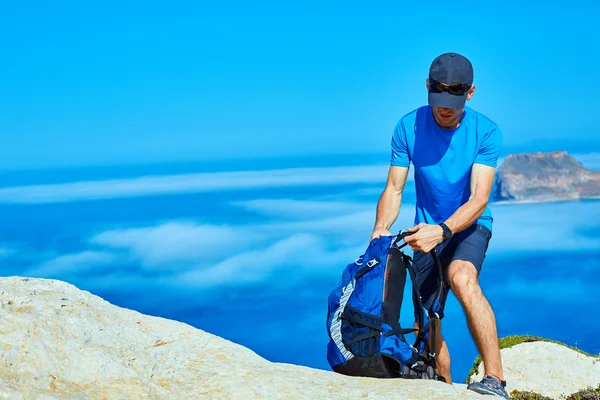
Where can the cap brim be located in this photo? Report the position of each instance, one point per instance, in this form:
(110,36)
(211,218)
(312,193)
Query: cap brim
(447,100)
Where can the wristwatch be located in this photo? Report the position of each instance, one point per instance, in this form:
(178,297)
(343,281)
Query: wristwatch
(447,234)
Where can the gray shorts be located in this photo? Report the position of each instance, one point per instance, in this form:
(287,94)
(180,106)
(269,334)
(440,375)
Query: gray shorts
(468,245)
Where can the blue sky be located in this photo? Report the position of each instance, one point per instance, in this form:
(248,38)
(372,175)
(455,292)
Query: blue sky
(138,82)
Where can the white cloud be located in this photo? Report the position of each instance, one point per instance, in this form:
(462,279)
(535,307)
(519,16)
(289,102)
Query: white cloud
(338,219)
(294,257)
(189,183)
(181,245)
(289,209)
(215,181)
(176,244)
(73,263)
(545,226)
(202,254)
(305,241)
(240,253)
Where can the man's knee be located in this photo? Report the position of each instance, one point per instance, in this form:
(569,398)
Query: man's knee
(463,278)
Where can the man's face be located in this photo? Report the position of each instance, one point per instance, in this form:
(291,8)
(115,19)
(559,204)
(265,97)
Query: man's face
(449,117)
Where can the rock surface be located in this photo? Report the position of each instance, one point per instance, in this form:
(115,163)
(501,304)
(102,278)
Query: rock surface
(550,369)
(544,176)
(58,342)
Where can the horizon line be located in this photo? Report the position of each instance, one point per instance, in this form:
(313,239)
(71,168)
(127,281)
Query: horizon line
(366,158)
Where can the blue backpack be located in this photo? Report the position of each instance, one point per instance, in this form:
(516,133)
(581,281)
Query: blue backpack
(363,317)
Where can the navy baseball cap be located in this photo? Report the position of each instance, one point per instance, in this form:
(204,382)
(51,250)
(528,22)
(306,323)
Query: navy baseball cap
(450,69)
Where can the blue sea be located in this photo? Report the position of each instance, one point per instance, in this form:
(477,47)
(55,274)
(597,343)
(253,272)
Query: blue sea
(250,250)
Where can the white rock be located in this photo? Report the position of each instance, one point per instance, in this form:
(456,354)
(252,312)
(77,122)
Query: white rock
(550,369)
(58,342)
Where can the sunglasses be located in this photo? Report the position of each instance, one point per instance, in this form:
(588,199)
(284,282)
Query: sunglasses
(457,89)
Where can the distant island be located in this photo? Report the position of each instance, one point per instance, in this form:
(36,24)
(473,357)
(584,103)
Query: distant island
(542,177)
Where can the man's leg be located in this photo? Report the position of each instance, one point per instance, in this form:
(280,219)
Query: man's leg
(442,353)
(428,286)
(463,280)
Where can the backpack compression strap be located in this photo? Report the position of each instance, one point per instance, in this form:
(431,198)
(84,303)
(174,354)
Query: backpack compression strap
(432,315)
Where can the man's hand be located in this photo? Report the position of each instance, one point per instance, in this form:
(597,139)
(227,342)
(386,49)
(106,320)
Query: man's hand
(427,236)
(378,232)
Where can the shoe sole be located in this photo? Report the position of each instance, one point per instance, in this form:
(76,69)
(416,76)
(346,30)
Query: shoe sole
(484,390)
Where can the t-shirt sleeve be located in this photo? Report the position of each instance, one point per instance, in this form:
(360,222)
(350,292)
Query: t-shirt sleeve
(490,148)
(400,155)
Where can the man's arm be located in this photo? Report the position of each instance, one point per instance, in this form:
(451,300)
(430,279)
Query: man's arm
(429,235)
(388,206)
(482,179)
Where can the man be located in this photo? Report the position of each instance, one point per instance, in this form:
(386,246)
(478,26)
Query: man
(454,151)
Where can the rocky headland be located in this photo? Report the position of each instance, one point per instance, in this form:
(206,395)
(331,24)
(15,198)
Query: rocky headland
(544,176)
(59,342)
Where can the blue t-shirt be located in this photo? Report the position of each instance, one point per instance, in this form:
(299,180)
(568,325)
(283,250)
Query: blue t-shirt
(443,159)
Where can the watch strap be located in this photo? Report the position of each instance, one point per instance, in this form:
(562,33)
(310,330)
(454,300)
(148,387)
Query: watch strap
(447,234)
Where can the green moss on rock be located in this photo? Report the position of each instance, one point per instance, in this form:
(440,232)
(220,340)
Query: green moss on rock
(587,394)
(527,395)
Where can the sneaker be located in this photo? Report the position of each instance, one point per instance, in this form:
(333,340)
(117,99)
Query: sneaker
(489,385)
